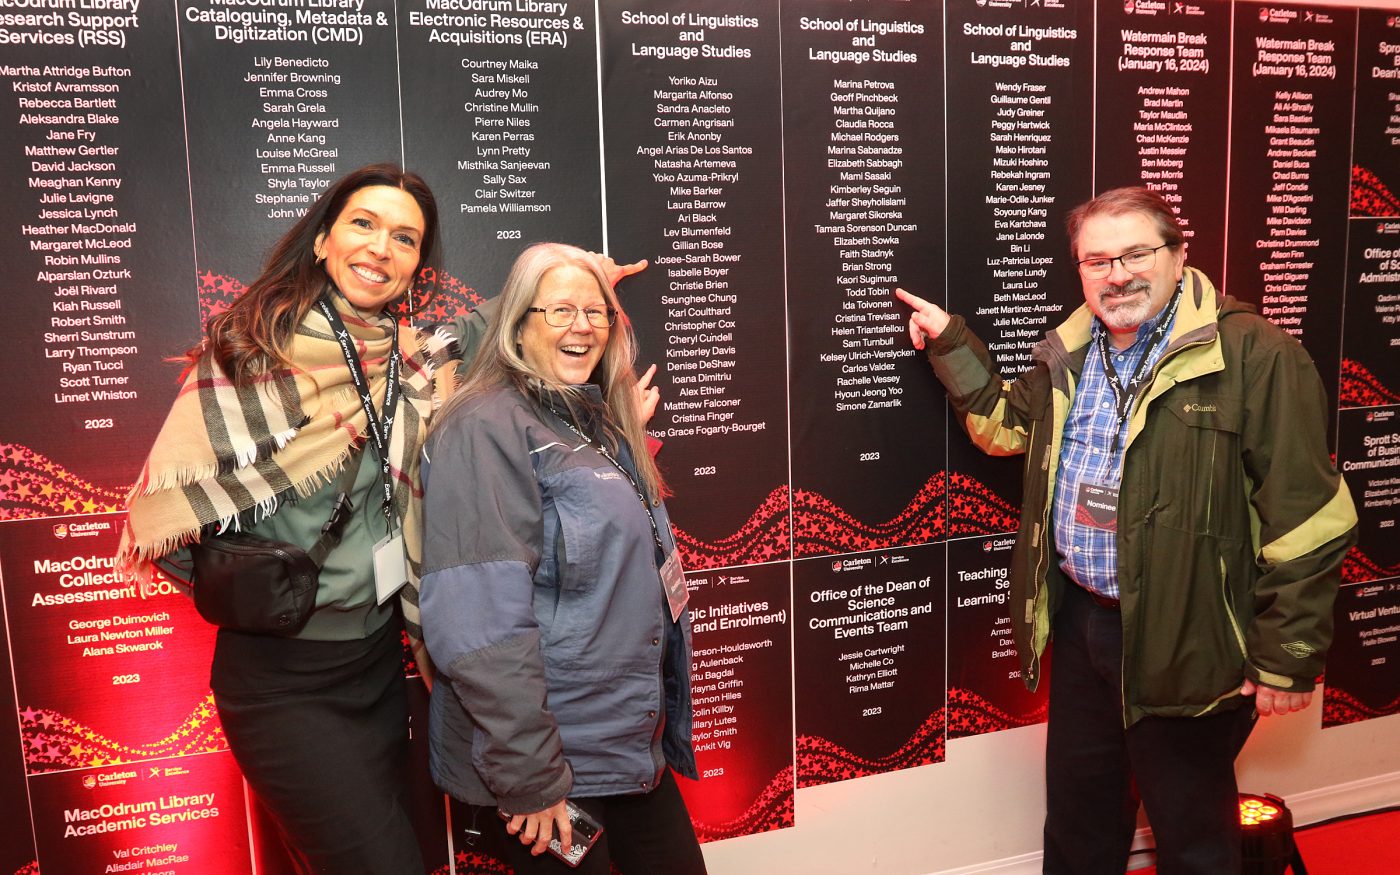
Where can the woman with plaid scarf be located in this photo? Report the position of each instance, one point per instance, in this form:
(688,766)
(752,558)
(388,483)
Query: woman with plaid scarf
(273,406)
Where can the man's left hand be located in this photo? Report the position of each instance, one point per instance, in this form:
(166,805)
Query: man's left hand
(1269,701)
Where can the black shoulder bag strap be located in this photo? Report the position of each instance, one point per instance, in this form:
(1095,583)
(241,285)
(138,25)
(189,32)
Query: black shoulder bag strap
(341,509)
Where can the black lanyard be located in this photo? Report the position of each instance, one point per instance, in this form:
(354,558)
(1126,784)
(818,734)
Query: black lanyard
(379,431)
(1124,397)
(603,451)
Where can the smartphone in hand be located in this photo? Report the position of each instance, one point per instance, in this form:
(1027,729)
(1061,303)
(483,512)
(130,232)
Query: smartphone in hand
(586,832)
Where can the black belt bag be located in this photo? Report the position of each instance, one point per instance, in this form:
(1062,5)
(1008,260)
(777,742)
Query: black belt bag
(253,584)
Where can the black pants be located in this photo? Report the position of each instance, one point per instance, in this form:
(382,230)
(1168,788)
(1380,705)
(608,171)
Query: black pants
(1182,768)
(642,833)
(320,730)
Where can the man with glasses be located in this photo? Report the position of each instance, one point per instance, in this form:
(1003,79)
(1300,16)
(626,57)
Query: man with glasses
(1181,535)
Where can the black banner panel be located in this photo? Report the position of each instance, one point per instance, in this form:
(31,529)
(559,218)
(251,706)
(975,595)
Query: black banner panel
(95,235)
(500,114)
(985,692)
(1370,368)
(285,119)
(1363,667)
(1163,111)
(1289,170)
(868,644)
(1375,161)
(1019,131)
(1368,454)
(741,687)
(694,169)
(867,460)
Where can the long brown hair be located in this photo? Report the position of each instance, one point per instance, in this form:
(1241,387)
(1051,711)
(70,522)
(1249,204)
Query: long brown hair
(500,362)
(253,335)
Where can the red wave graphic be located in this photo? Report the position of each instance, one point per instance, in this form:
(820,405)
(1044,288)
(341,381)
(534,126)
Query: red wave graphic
(452,298)
(762,538)
(1358,387)
(971,714)
(33,486)
(973,509)
(53,742)
(773,809)
(820,761)
(1357,567)
(820,527)
(1340,708)
(1370,196)
(948,505)
(473,863)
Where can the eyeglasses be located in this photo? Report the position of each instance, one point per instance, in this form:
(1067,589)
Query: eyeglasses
(1136,261)
(563,315)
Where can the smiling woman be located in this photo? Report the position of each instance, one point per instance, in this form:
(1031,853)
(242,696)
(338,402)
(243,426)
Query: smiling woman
(553,598)
(371,251)
(265,439)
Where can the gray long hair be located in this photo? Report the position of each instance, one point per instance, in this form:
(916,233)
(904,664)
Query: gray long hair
(500,362)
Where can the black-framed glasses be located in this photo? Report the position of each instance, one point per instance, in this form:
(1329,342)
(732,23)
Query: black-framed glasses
(563,315)
(1136,261)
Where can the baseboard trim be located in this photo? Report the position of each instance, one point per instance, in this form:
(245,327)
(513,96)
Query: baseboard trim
(1312,806)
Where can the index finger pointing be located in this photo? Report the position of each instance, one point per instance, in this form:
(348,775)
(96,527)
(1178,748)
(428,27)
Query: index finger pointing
(911,299)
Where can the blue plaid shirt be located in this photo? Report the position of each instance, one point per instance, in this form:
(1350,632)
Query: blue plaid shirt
(1089,555)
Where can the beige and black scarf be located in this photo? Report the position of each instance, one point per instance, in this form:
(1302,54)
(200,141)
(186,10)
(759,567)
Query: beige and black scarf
(228,455)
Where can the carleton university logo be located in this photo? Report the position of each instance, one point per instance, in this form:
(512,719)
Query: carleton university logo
(60,530)
(986,546)
(90,781)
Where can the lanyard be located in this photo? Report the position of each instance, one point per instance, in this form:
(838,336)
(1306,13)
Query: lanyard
(1124,397)
(379,431)
(603,451)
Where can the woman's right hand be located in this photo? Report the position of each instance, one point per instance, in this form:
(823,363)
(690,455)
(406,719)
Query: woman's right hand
(539,827)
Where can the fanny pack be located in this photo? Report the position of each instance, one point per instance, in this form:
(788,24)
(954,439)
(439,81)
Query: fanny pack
(253,584)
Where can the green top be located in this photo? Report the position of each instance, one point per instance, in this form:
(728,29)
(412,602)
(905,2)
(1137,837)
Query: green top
(345,598)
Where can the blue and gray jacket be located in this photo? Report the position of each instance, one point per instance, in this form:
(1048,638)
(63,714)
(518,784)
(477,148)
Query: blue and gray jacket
(560,670)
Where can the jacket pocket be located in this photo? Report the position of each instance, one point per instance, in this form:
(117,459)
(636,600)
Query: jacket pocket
(581,516)
(1189,651)
(1198,442)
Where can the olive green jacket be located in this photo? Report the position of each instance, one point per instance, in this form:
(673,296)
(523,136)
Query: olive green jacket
(1233,521)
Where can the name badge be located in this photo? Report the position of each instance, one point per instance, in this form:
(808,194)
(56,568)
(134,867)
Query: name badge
(390,567)
(1096,506)
(673,582)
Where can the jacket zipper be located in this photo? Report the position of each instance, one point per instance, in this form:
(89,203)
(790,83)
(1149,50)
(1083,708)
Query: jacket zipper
(1167,356)
(1123,656)
(1041,550)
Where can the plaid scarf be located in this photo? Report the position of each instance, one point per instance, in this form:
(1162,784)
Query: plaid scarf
(227,452)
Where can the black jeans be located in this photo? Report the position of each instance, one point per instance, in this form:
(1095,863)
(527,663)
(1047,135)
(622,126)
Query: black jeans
(320,730)
(1182,768)
(642,833)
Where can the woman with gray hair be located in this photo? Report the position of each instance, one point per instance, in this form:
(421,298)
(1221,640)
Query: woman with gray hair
(553,602)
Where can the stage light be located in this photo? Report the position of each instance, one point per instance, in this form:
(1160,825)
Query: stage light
(1266,835)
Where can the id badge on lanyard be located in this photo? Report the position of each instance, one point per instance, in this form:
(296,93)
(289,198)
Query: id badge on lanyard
(673,583)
